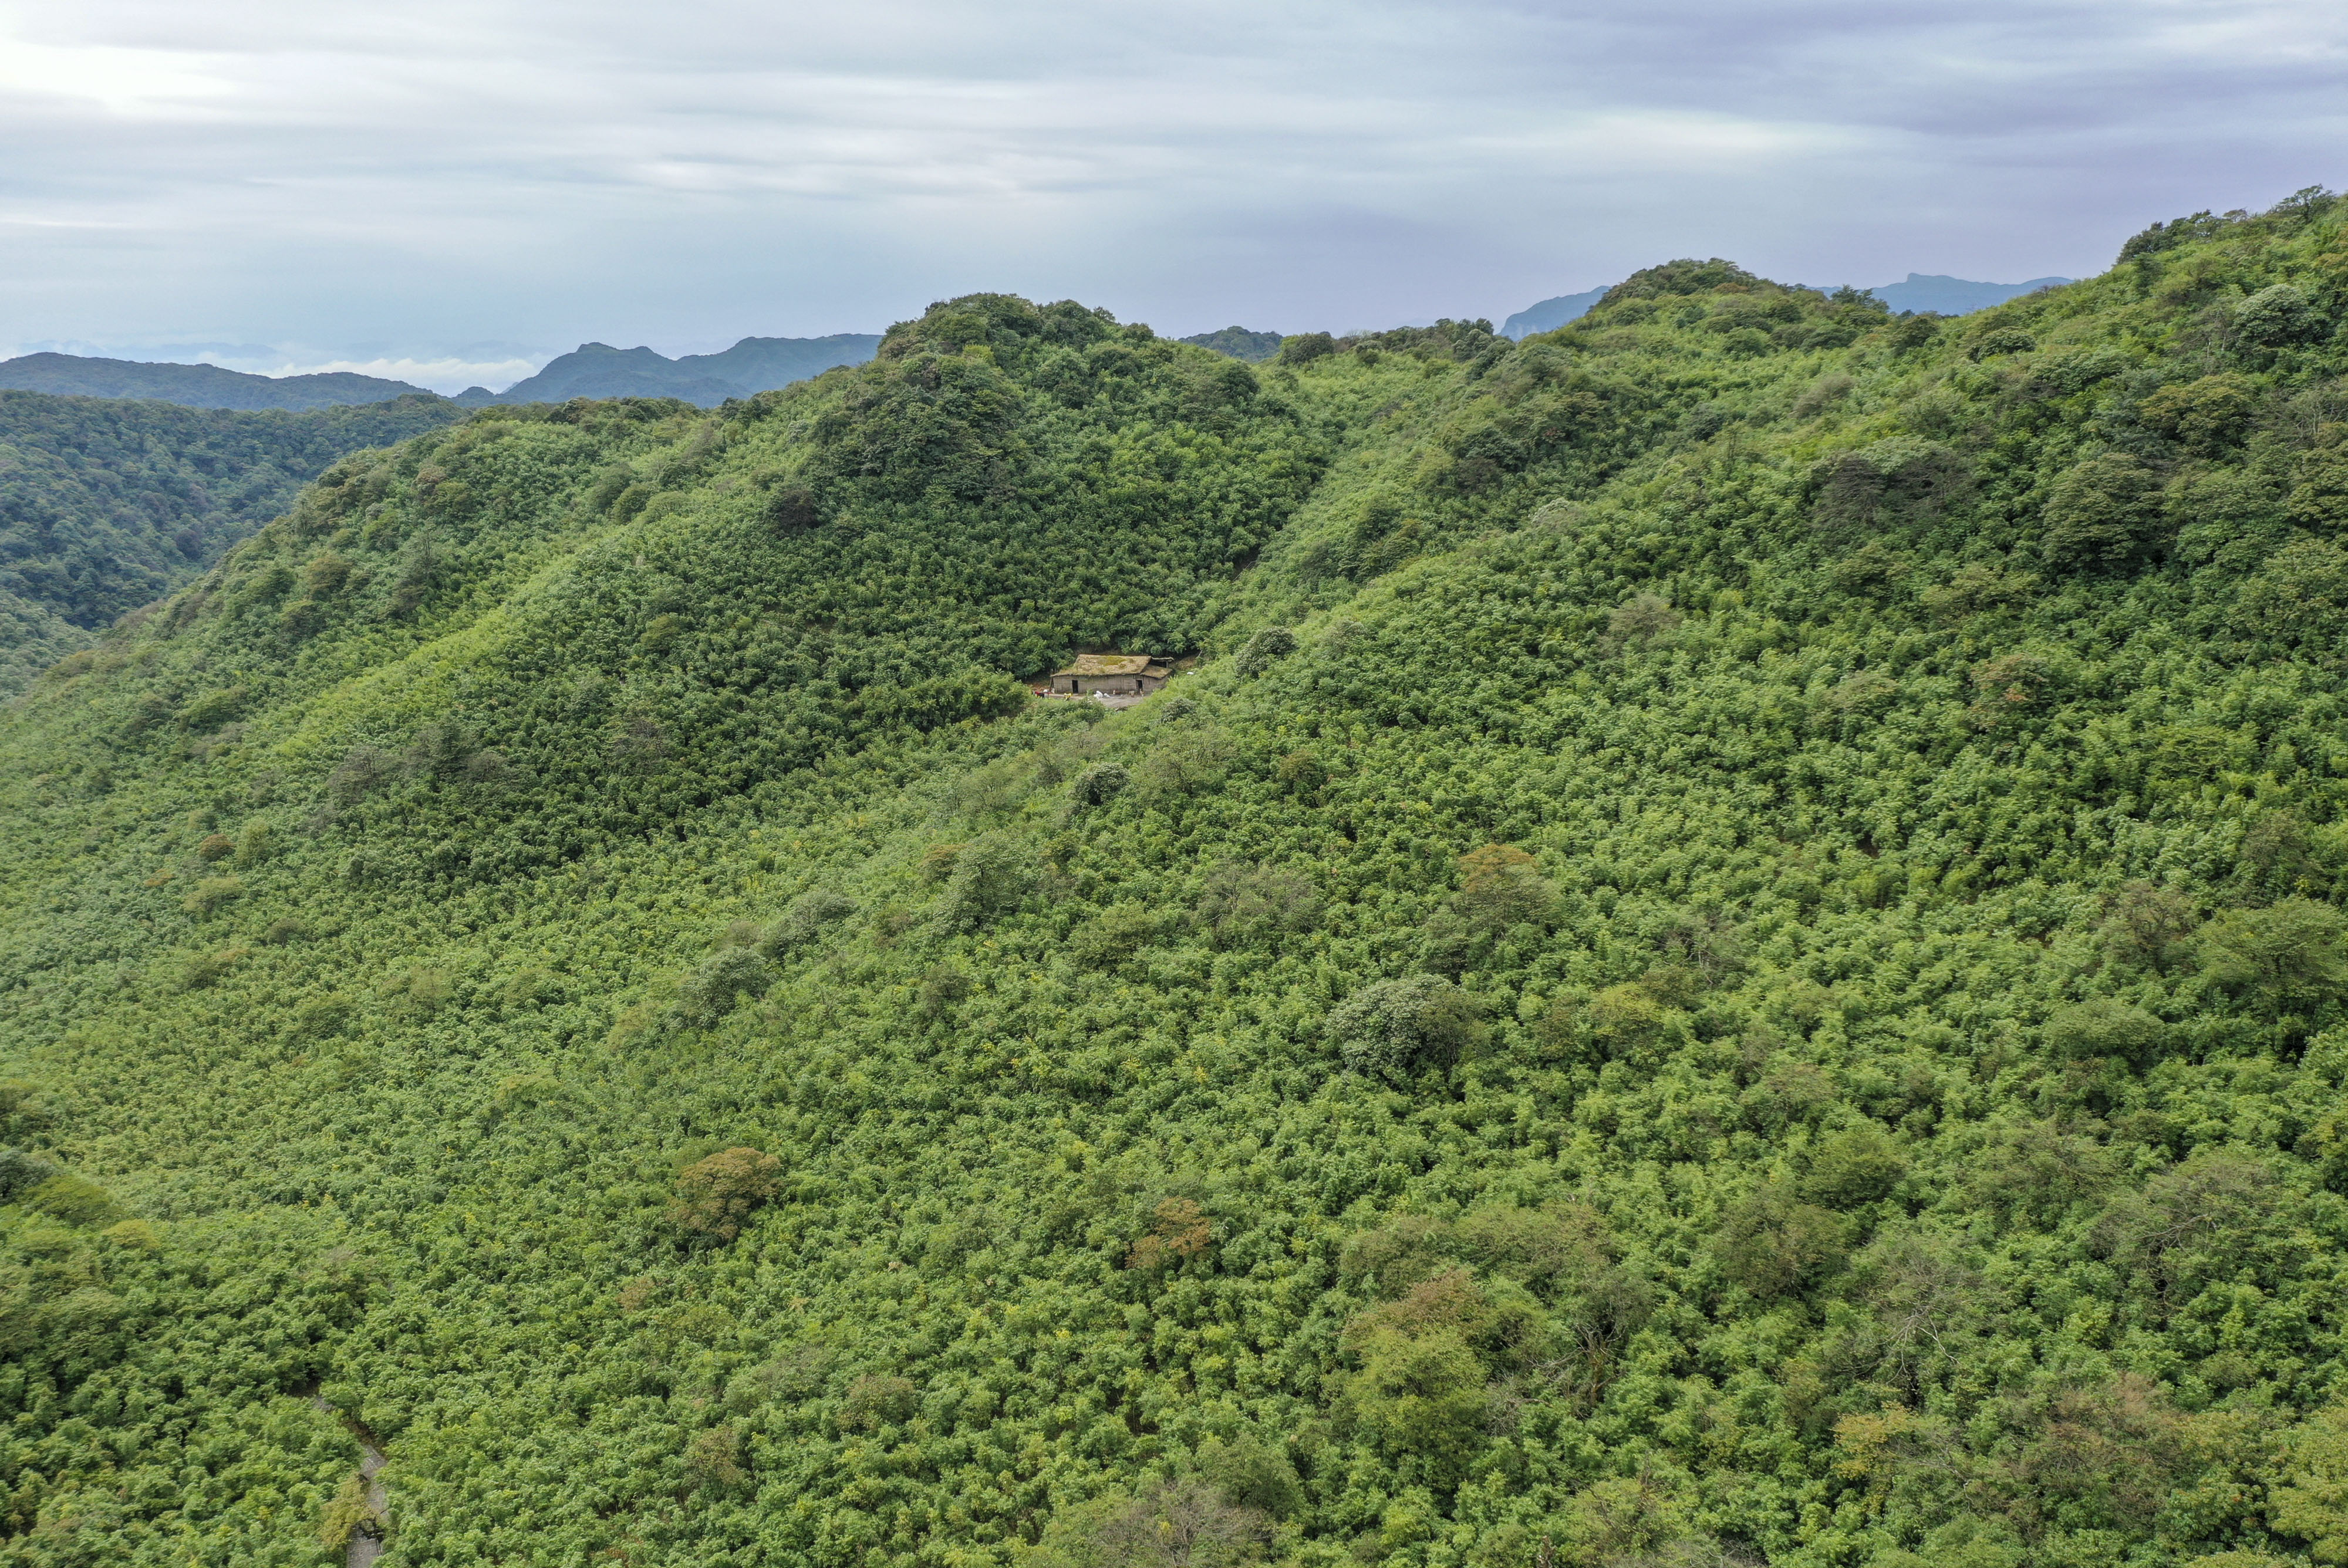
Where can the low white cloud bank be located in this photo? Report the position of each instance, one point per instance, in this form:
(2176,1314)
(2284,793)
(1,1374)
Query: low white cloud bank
(445,375)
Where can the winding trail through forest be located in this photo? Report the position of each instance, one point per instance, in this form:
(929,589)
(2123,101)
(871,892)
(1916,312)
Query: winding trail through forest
(366,1540)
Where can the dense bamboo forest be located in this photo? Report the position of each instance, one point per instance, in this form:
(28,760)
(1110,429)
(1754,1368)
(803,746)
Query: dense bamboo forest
(1733,954)
(106,504)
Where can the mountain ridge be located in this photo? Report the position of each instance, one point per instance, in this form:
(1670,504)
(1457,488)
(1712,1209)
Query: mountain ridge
(196,385)
(1734,953)
(108,504)
(1917,292)
(754,365)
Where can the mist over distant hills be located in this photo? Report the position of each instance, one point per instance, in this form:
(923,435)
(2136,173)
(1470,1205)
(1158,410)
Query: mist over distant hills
(754,365)
(194,385)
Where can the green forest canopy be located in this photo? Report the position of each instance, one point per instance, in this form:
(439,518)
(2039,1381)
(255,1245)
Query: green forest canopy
(1734,955)
(108,504)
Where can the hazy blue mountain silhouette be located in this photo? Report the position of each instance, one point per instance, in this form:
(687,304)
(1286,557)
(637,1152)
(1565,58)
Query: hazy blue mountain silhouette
(1954,296)
(1550,314)
(754,365)
(193,385)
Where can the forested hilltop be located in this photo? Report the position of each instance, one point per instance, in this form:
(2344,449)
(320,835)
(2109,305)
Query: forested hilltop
(108,504)
(1733,956)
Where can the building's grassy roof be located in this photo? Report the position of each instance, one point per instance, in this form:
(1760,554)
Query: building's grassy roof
(1105,664)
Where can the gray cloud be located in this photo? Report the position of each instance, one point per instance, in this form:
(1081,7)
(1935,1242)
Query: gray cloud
(439,173)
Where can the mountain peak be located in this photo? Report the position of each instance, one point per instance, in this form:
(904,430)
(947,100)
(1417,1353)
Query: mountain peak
(752,365)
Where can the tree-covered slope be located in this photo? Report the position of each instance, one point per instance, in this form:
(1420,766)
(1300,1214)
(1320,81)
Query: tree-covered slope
(107,505)
(1730,956)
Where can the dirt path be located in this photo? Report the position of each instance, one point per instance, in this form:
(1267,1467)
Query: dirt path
(365,1547)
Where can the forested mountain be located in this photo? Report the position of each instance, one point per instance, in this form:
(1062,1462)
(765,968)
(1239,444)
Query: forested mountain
(195,386)
(754,365)
(1238,342)
(106,504)
(1918,293)
(1733,956)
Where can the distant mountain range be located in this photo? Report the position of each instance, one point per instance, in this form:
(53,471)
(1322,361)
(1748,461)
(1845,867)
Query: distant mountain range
(754,365)
(194,385)
(593,370)
(1921,292)
(1954,296)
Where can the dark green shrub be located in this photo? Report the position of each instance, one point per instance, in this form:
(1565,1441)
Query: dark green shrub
(805,916)
(207,970)
(320,1017)
(942,986)
(2300,593)
(441,749)
(1852,1167)
(1251,1474)
(1396,1028)
(208,895)
(1891,482)
(75,1199)
(2001,341)
(714,989)
(2203,416)
(2288,955)
(991,875)
(20,1172)
(2148,922)
(716,1196)
(2105,1028)
(1188,761)
(1269,643)
(1771,1244)
(2276,315)
(874,1401)
(793,508)
(2319,499)
(213,710)
(1115,934)
(1913,332)
(362,771)
(1303,348)
(2104,511)
(1099,785)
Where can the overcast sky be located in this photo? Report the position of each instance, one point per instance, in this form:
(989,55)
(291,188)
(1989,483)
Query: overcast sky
(451,192)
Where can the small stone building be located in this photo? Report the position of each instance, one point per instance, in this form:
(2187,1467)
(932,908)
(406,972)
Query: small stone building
(1110,674)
